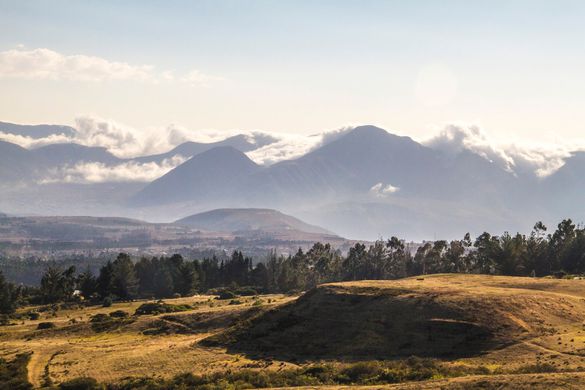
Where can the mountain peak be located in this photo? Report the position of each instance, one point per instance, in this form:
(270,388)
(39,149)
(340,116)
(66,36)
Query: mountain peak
(368,130)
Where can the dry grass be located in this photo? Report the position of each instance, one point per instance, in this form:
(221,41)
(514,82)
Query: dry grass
(525,324)
(74,349)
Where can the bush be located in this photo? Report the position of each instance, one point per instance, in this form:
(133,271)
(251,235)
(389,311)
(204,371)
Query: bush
(46,325)
(4,320)
(119,314)
(100,317)
(235,302)
(80,384)
(226,294)
(160,307)
(107,302)
(103,322)
(14,373)
(246,291)
(33,315)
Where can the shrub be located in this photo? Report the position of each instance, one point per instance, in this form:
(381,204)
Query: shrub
(80,384)
(14,374)
(246,291)
(103,322)
(46,325)
(235,302)
(33,315)
(159,308)
(226,294)
(4,320)
(119,314)
(107,302)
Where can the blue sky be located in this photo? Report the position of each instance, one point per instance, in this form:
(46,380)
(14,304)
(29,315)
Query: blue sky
(513,67)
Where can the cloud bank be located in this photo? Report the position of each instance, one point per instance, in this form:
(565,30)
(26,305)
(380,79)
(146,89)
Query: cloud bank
(46,64)
(95,172)
(528,158)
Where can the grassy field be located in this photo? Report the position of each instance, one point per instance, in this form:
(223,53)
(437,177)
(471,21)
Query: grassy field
(479,331)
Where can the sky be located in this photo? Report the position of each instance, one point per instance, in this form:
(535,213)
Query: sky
(513,68)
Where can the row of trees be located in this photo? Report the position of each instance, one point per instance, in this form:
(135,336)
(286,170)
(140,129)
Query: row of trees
(537,254)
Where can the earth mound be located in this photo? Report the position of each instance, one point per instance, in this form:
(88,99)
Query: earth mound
(442,316)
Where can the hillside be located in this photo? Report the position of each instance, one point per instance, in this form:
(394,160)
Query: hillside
(436,331)
(204,178)
(477,318)
(237,220)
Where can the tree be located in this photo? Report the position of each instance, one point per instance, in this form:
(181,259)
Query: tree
(124,280)
(56,284)
(87,283)
(7,296)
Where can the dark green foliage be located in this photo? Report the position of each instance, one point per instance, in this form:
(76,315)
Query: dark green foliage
(538,254)
(226,294)
(119,314)
(107,302)
(363,373)
(160,308)
(87,283)
(57,284)
(81,384)
(46,325)
(103,322)
(13,374)
(8,296)
(33,315)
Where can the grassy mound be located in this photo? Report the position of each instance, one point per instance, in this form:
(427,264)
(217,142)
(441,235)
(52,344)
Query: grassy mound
(444,316)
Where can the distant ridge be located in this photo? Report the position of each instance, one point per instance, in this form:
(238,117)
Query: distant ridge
(201,178)
(248,219)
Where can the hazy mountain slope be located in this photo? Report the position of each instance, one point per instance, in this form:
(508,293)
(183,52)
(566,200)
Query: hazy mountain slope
(234,220)
(564,189)
(189,149)
(36,131)
(16,163)
(70,153)
(216,173)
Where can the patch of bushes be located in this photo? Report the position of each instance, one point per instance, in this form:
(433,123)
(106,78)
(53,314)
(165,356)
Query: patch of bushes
(33,315)
(245,291)
(107,302)
(373,373)
(236,302)
(226,294)
(160,307)
(102,322)
(45,325)
(81,384)
(119,314)
(14,374)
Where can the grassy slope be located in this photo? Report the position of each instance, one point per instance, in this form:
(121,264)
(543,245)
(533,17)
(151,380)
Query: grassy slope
(522,322)
(73,350)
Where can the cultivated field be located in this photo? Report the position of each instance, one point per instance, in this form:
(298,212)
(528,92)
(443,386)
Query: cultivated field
(484,331)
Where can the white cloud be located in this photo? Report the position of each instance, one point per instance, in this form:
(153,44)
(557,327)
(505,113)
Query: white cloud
(195,77)
(541,160)
(46,64)
(291,146)
(382,191)
(95,172)
(30,142)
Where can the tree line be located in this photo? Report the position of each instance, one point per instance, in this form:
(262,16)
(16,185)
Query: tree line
(537,254)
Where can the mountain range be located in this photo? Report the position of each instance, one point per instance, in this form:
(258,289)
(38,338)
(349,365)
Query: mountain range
(363,184)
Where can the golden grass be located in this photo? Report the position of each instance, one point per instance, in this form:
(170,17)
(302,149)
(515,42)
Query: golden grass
(536,321)
(74,350)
